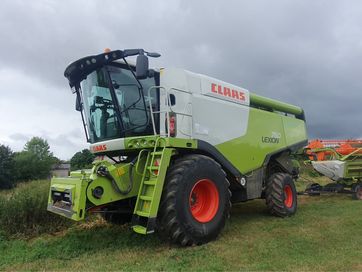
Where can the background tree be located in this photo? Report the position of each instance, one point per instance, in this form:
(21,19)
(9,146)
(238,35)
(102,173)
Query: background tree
(39,147)
(35,161)
(82,160)
(6,167)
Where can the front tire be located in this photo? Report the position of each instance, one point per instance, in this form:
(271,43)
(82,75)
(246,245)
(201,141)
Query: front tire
(195,201)
(281,195)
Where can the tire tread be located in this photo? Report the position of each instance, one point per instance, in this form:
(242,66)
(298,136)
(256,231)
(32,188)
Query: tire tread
(169,225)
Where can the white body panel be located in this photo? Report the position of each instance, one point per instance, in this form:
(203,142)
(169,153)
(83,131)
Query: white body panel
(332,169)
(109,145)
(207,109)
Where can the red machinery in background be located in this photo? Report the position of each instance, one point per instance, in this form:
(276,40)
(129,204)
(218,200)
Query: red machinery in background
(320,150)
(339,160)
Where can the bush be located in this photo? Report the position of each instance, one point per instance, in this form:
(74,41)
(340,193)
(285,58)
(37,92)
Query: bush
(6,167)
(26,165)
(24,211)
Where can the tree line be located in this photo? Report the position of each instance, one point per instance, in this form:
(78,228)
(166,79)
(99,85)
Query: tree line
(35,161)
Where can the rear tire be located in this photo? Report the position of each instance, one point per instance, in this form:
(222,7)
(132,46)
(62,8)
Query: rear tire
(357,192)
(281,195)
(195,201)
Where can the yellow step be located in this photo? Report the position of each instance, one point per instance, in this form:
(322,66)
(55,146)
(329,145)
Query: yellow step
(139,229)
(147,198)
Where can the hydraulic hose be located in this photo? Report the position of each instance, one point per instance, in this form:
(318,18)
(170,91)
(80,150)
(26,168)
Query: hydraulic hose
(104,172)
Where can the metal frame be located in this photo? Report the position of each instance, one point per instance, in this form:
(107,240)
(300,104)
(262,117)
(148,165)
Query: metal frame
(167,111)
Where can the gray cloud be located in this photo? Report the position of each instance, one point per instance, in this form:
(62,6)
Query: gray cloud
(303,52)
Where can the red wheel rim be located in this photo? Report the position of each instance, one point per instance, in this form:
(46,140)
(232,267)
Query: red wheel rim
(204,200)
(288,196)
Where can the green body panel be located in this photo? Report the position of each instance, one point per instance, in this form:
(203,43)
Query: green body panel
(353,169)
(265,135)
(138,143)
(120,173)
(75,186)
(294,130)
(148,181)
(81,187)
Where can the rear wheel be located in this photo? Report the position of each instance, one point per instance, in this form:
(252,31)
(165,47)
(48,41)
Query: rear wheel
(195,202)
(357,192)
(281,195)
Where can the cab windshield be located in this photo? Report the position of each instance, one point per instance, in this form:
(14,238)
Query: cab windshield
(122,111)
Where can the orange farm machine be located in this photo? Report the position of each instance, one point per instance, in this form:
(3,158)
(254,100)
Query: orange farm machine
(339,160)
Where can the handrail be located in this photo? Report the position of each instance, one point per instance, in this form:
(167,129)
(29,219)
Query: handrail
(139,159)
(150,104)
(167,111)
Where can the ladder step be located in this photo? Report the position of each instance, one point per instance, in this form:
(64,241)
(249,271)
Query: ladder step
(156,153)
(139,229)
(147,198)
(153,167)
(144,214)
(150,182)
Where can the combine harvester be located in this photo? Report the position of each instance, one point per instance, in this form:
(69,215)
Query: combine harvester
(339,160)
(176,148)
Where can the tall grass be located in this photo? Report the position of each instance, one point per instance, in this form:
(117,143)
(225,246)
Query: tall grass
(23,211)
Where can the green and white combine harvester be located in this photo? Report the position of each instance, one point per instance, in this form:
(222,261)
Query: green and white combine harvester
(175,148)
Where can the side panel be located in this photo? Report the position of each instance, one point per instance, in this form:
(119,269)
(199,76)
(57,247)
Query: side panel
(266,133)
(295,130)
(217,121)
(222,117)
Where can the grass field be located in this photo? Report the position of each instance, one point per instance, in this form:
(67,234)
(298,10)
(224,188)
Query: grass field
(325,234)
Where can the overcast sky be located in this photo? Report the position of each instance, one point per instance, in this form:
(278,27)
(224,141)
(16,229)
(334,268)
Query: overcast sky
(308,53)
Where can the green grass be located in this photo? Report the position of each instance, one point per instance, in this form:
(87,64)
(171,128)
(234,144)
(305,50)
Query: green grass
(325,234)
(23,211)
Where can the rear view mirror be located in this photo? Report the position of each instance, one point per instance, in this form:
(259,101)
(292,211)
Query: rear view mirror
(142,66)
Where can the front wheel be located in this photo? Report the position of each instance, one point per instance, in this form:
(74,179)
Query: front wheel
(281,195)
(195,201)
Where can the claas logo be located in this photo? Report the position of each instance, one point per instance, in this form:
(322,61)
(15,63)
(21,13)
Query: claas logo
(227,92)
(98,148)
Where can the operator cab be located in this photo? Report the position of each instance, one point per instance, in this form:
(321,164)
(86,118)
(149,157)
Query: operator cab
(130,100)
(116,99)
